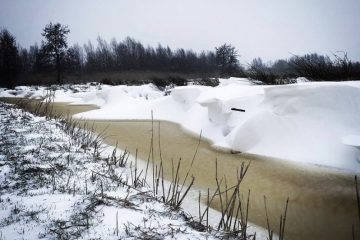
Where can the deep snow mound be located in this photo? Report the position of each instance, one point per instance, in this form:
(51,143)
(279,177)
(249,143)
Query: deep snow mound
(303,123)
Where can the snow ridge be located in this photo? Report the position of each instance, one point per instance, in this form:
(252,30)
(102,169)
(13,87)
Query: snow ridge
(303,122)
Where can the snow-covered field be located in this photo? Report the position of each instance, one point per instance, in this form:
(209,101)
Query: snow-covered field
(308,122)
(55,186)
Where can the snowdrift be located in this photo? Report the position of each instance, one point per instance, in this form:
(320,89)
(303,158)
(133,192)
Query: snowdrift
(304,122)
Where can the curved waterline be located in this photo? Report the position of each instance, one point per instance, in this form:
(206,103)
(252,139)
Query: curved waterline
(322,201)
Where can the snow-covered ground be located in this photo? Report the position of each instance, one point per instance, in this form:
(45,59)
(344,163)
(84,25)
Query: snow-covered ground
(53,186)
(304,122)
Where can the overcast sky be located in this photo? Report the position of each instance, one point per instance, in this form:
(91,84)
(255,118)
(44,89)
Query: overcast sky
(270,29)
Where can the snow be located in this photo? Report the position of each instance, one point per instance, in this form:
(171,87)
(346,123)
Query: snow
(303,122)
(38,160)
(65,93)
(351,140)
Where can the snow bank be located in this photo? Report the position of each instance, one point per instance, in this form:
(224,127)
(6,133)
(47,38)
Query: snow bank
(21,92)
(303,122)
(65,93)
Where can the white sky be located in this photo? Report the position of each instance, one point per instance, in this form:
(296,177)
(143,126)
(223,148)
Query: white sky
(270,29)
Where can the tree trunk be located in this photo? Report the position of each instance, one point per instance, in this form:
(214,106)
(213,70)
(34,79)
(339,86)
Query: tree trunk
(58,70)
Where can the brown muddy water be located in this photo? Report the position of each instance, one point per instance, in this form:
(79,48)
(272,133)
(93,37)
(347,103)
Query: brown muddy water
(322,201)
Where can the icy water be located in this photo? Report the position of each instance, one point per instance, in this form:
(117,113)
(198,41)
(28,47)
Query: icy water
(322,201)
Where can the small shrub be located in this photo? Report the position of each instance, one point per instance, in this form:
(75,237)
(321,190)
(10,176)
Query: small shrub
(108,81)
(178,81)
(212,82)
(264,75)
(161,83)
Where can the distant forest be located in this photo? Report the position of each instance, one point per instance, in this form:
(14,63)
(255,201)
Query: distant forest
(129,61)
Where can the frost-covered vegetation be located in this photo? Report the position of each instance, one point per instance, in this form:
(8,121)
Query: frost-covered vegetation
(60,181)
(56,182)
